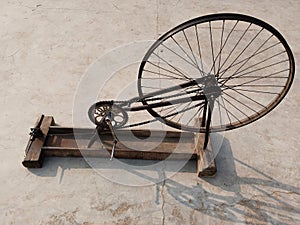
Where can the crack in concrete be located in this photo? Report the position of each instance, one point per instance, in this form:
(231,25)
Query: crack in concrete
(13,54)
(162,176)
(163,201)
(40,6)
(285,192)
(157,15)
(115,6)
(68,9)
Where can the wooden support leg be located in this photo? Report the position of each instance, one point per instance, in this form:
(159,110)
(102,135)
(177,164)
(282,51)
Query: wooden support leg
(33,153)
(206,164)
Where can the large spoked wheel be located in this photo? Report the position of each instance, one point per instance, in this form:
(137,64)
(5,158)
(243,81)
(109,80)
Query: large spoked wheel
(250,60)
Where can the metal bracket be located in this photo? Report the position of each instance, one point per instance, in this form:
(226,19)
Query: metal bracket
(36,131)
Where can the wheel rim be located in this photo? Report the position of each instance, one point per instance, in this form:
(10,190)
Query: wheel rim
(251,61)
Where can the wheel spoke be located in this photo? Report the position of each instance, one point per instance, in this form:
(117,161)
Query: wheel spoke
(193,63)
(164,75)
(242,53)
(201,71)
(255,91)
(175,53)
(256,53)
(228,112)
(198,111)
(247,97)
(222,47)
(181,111)
(220,51)
(199,49)
(187,105)
(238,109)
(224,107)
(181,76)
(256,79)
(264,67)
(184,75)
(212,48)
(234,47)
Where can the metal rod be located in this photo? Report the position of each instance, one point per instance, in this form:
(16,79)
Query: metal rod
(193,82)
(204,114)
(208,122)
(113,150)
(162,104)
(108,118)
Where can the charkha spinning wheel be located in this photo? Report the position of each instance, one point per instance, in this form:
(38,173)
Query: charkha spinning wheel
(212,73)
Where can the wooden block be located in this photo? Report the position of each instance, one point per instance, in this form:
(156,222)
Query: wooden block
(33,152)
(206,164)
(133,144)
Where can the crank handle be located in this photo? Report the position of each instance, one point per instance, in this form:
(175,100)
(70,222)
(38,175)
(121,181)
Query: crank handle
(113,150)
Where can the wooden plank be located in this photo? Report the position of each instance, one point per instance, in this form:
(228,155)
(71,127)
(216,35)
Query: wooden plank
(206,164)
(33,152)
(119,153)
(133,144)
(54,130)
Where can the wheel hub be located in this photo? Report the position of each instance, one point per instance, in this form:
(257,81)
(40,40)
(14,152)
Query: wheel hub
(211,87)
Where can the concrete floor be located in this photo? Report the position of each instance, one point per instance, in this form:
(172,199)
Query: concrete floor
(47,46)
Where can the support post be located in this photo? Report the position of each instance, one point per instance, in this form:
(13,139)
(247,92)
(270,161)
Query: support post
(206,164)
(33,153)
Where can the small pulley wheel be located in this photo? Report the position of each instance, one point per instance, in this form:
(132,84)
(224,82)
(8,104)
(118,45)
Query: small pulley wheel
(99,110)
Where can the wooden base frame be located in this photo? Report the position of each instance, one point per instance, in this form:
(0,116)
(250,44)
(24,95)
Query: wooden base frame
(60,142)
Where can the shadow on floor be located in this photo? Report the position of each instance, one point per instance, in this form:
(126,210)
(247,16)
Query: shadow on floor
(249,200)
(273,202)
